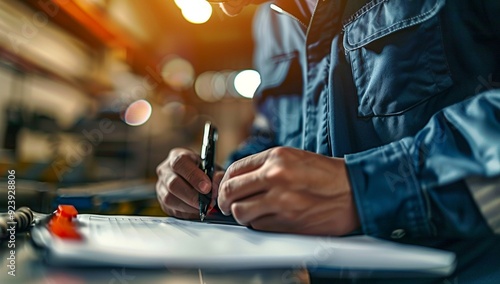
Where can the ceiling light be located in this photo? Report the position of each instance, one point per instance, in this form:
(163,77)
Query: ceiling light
(247,82)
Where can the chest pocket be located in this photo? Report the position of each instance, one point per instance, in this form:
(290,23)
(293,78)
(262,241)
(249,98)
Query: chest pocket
(396,54)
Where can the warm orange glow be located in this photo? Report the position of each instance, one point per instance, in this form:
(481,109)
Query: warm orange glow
(95,21)
(100,25)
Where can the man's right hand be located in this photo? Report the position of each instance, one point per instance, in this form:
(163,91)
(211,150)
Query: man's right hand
(180,181)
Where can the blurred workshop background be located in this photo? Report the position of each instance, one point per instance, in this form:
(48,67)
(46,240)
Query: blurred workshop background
(94,94)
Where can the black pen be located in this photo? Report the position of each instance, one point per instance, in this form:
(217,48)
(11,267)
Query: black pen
(207,165)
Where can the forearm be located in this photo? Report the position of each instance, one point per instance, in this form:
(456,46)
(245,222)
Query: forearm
(418,184)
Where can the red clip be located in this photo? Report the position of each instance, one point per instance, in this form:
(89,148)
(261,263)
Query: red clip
(62,224)
(66,211)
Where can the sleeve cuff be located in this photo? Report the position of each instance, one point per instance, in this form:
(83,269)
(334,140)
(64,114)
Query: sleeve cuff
(388,197)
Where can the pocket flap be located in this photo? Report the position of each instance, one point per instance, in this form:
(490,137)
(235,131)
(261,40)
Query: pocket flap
(382,17)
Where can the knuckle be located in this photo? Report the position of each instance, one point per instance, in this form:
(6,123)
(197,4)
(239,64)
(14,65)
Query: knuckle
(158,187)
(227,190)
(231,168)
(159,169)
(277,173)
(222,194)
(236,211)
(279,152)
(176,152)
(162,167)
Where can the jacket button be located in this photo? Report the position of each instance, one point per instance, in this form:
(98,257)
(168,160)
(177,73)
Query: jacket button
(398,234)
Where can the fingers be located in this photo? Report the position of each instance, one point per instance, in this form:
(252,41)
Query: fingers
(216,180)
(266,223)
(275,223)
(179,183)
(183,191)
(239,187)
(251,209)
(185,164)
(172,205)
(245,165)
(256,173)
(289,190)
(301,213)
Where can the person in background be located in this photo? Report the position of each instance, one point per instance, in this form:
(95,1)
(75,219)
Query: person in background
(373,117)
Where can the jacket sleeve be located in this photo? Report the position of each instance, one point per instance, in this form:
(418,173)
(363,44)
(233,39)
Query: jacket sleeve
(444,181)
(277,100)
(261,138)
(262,135)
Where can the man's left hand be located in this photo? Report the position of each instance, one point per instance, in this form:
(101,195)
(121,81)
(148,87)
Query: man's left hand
(290,190)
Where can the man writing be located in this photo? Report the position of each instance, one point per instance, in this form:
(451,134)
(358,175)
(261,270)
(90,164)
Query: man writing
(387,126)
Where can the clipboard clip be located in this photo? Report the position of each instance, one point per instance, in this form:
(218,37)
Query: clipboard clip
(62,223)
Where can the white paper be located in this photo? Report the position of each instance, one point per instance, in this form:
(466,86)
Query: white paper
(168,242)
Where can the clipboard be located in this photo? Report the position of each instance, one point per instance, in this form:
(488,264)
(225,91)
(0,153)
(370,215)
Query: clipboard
(160,242)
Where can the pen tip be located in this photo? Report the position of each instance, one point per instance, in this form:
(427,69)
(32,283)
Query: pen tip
(202,217)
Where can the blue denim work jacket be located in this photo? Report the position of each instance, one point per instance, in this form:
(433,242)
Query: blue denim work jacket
(404,91)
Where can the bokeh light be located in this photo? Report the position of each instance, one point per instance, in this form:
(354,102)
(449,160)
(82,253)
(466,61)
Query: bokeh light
(208,86)
(230,75)
(178,73)
(138,113)
(218,85)
(195,11)
(247,82)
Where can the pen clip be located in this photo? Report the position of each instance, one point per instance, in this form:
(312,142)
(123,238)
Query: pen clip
(210,137)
